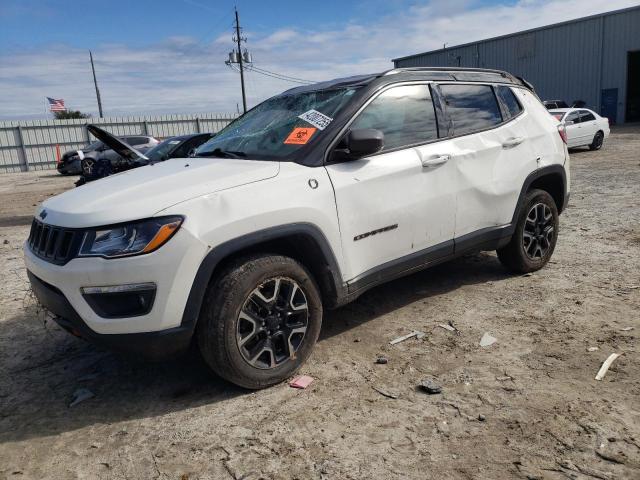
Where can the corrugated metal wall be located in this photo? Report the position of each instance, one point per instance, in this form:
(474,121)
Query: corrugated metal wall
(31,145)
(570,61)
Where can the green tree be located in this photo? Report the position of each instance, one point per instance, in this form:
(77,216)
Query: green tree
(68,114)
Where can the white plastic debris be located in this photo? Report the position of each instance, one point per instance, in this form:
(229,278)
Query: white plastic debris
(605,366)
(81,395)
(592,349)
(415,333)
(487,340)
(626,329)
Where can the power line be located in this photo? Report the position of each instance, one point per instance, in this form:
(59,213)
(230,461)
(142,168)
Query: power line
(277,76)
(284,76)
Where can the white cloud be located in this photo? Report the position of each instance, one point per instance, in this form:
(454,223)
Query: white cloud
(182,74)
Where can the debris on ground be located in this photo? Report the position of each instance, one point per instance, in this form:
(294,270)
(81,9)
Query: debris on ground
(429,386)
(302,381)
(487,340)
(385,393)
(504,378)
(80,395)
(382,360)
(447,327)
(482,418)
(415,333)
(626,329)
(592,349)
(356,340)
(605,366)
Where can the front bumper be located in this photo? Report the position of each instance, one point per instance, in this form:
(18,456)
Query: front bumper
(148,345)
(171,268)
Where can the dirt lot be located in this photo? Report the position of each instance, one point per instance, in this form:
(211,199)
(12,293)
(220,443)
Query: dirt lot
(526,407)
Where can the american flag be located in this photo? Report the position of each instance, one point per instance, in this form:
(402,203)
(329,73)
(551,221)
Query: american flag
(56,105)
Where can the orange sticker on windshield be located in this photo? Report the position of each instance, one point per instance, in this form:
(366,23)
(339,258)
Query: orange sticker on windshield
(300,135)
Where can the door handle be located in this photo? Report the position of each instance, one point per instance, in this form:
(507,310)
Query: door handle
(513,142)
(435,160)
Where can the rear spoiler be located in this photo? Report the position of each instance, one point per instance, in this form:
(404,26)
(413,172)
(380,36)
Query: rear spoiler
(526,84)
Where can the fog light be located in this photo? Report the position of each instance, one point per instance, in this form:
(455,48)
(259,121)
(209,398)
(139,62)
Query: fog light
(119,301)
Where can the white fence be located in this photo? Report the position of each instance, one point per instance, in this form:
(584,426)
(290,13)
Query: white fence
(34,144)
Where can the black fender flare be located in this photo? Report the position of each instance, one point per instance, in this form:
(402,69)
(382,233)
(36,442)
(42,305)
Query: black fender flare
(220,252)
(535,175)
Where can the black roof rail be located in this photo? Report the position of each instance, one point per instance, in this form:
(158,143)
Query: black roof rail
(458,73)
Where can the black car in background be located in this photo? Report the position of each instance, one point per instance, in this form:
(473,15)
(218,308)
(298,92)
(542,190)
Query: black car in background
(70,162)
(173,147)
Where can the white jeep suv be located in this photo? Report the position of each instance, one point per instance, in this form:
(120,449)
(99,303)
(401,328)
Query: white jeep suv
(303,203)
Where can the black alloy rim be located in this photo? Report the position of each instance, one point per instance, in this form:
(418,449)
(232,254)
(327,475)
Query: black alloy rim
(272,323)
(539,229)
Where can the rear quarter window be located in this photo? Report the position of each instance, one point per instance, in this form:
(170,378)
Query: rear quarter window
(509,101)
(471,107)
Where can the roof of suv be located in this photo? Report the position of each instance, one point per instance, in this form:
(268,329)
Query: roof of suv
(418,73)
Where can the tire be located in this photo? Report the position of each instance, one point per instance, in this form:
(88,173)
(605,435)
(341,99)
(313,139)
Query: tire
(246,310)
(598,141)
(535,236)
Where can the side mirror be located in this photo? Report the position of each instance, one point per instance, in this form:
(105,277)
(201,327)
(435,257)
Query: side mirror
(363,142)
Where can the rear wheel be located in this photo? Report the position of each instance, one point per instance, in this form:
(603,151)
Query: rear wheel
(535,236)
(598,140)
(260,321)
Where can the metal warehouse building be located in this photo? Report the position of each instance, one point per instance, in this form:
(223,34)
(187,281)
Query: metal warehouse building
(595,59)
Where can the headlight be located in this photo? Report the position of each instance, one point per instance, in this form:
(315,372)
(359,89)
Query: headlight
(129,239)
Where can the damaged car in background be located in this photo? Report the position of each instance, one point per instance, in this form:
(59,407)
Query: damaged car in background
(70,162)
(175,147)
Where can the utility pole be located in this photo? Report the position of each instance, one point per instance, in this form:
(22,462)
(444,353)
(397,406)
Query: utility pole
(95,82)
(239,39)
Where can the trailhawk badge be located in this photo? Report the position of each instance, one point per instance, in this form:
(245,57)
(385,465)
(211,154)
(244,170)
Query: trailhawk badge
(43,214)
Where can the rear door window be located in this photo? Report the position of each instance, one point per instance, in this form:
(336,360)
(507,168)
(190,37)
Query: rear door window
(509,101)
(405,115)
(471,107)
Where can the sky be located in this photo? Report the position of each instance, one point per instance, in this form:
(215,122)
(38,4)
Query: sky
(167,56)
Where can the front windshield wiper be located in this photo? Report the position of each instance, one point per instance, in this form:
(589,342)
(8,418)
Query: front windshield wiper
(218,152)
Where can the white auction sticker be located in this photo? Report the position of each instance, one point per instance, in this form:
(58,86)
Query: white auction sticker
(316,119)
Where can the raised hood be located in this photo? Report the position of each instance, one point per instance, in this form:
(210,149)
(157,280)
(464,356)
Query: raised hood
(142,192)
(114,143)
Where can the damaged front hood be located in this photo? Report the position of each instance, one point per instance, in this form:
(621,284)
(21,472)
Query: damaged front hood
(142,192)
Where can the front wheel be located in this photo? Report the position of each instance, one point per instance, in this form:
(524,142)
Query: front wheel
(535,236)
(88,166)
(260,320)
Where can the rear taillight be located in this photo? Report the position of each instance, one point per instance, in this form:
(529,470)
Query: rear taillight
(563,133)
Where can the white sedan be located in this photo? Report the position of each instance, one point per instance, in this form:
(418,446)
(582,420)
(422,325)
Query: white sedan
(584,127)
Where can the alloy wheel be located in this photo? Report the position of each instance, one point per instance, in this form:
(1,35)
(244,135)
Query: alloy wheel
(272,323)
(537,236)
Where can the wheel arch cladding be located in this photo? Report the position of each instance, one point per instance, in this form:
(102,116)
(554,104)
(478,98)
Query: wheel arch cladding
(551,179)
(303,242)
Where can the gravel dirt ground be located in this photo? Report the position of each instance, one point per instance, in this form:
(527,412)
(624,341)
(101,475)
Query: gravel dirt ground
(527,406)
